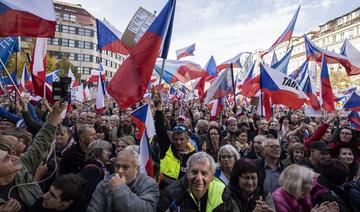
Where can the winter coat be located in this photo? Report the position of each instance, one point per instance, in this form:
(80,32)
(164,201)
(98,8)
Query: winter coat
(285,202)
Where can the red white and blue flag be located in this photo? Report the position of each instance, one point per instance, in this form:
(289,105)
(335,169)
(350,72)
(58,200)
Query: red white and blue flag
(247,77)
(221,87)
(53,77)
(300,73)
(354,119)
(109,38)
(309,91)
(281,88)
(186,51)
(215,107)
(353,103)
(285,36)
(100,94)
(210,69)
(26,84)
(35,18)
(282,64)
(353,56)
(326,92)
(235,61)
(144,121)
(180,70)
(131,81)
(38,69)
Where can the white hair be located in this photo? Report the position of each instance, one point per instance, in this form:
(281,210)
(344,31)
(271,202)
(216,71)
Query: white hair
(130,153)
(230,149)
(201,157)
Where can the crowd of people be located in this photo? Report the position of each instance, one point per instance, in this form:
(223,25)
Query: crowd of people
(236,161)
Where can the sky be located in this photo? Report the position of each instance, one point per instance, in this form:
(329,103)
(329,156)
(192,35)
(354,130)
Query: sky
(224,28)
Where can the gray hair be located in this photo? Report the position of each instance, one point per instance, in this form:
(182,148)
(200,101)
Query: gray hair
(201,157)
(231,149)
(131,153)
(267,140)
(133,147)
(96,148)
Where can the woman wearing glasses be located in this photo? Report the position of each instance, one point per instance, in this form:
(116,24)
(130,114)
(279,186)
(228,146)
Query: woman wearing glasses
(227,157)
(247,195)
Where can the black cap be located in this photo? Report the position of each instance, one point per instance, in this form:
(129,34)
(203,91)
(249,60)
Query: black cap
(319,145)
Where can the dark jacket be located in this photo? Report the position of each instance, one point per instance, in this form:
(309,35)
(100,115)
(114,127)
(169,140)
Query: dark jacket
(260,164)
(177,196)
(73,160)
(353,189)
(93,174)
(324,191)
(77,206)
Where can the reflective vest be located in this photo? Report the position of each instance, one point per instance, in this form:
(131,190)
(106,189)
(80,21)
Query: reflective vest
(170,165)
(215,191)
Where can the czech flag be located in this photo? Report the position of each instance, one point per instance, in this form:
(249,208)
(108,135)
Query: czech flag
(221,87)
(235,61)
(353,55)
(326,93)
(180,70)
(285,36)
(109,38)
(247,77)
(38,67)
(354,119)
(210,69)
(309,91)
(186,51)
(274,59)
(215,107)
(100,94)
(26,81)
(53,77)
(8,83)
(283,63)
(130,82)
(144,121)
(7,47)
(281,88)
(299,73)
(353,103)
(35,18)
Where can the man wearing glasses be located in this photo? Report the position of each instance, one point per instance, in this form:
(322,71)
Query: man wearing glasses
(174,151)
(270,165)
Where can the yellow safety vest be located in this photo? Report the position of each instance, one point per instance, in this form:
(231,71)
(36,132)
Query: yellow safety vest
(170,165)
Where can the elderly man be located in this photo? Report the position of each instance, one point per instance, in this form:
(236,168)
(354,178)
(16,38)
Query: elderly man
(127,190)
(17,187)
(199,190)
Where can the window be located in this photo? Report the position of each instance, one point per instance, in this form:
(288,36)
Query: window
(49,41)
(71,43)
(64,55)
(71,56)
(65,42)
(340,21)
(57,28)
(86,70)
(72,30)
(81,31)
(351,33)
(55,41)
(73,18)
(65,29)
(334,38)
(57,15)
(66,17)
(88,32)
(80,57)
(87,58)
(80,44)
(88,45)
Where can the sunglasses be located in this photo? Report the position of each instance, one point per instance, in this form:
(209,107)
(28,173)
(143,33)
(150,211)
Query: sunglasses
(179,128)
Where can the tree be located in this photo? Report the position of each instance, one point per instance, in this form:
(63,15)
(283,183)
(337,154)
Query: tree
(64,65)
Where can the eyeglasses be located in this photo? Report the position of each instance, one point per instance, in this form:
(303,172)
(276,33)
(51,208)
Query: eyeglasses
(179,128)
(345,133)
(226,156)
(273,146)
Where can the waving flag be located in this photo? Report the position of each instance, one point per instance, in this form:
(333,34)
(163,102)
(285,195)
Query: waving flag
(186,51)
(53,77)
(130,82)
(281,88)
(353,103)
(327,96)
(38,67)
(251,88)
(309,91)
(144,121)
(94,77)
(221,87)
(283,63)
(235,61)
(180,70)
(26,81)
(274,59)
(7,47)
(354,119)
(299,73)
(247,77)
(285,36)
(8,83)
(35,18)
(100,96)
(109,38)
(87,93)
(353,55)
(210,69)
(215,107)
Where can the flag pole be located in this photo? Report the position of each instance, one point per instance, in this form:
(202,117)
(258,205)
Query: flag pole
(233,85)
(161,74)
(16,69)
(12,81)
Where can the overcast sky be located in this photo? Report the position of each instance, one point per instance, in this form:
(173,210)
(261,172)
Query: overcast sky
(224,28)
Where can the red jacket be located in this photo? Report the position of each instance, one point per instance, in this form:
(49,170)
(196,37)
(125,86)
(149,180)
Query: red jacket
(317,135)
(285,202)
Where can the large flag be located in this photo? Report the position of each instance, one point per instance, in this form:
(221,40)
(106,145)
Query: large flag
(8,84)
(235,61)
(26,81)
(221,87)
(309,91)
(35,18)
(7,47)
(249,74)
(100,95)
(286,35)
(315,53)
(53,77)
(274,59)
(86,93)
(327,96)
(283,63)
(251,87)
(281,88)
(180,70)
(109,38)
(186,51)
(353,103)
(353,55)
(215,107)
(210,69)
(144,121)
(130,82)
(38,67)
(94,77)
(300,72)
(354,119)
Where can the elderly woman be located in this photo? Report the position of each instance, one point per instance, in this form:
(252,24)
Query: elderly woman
(246,193)
(227,157)
(97,155)
(294,194)
(296,154)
